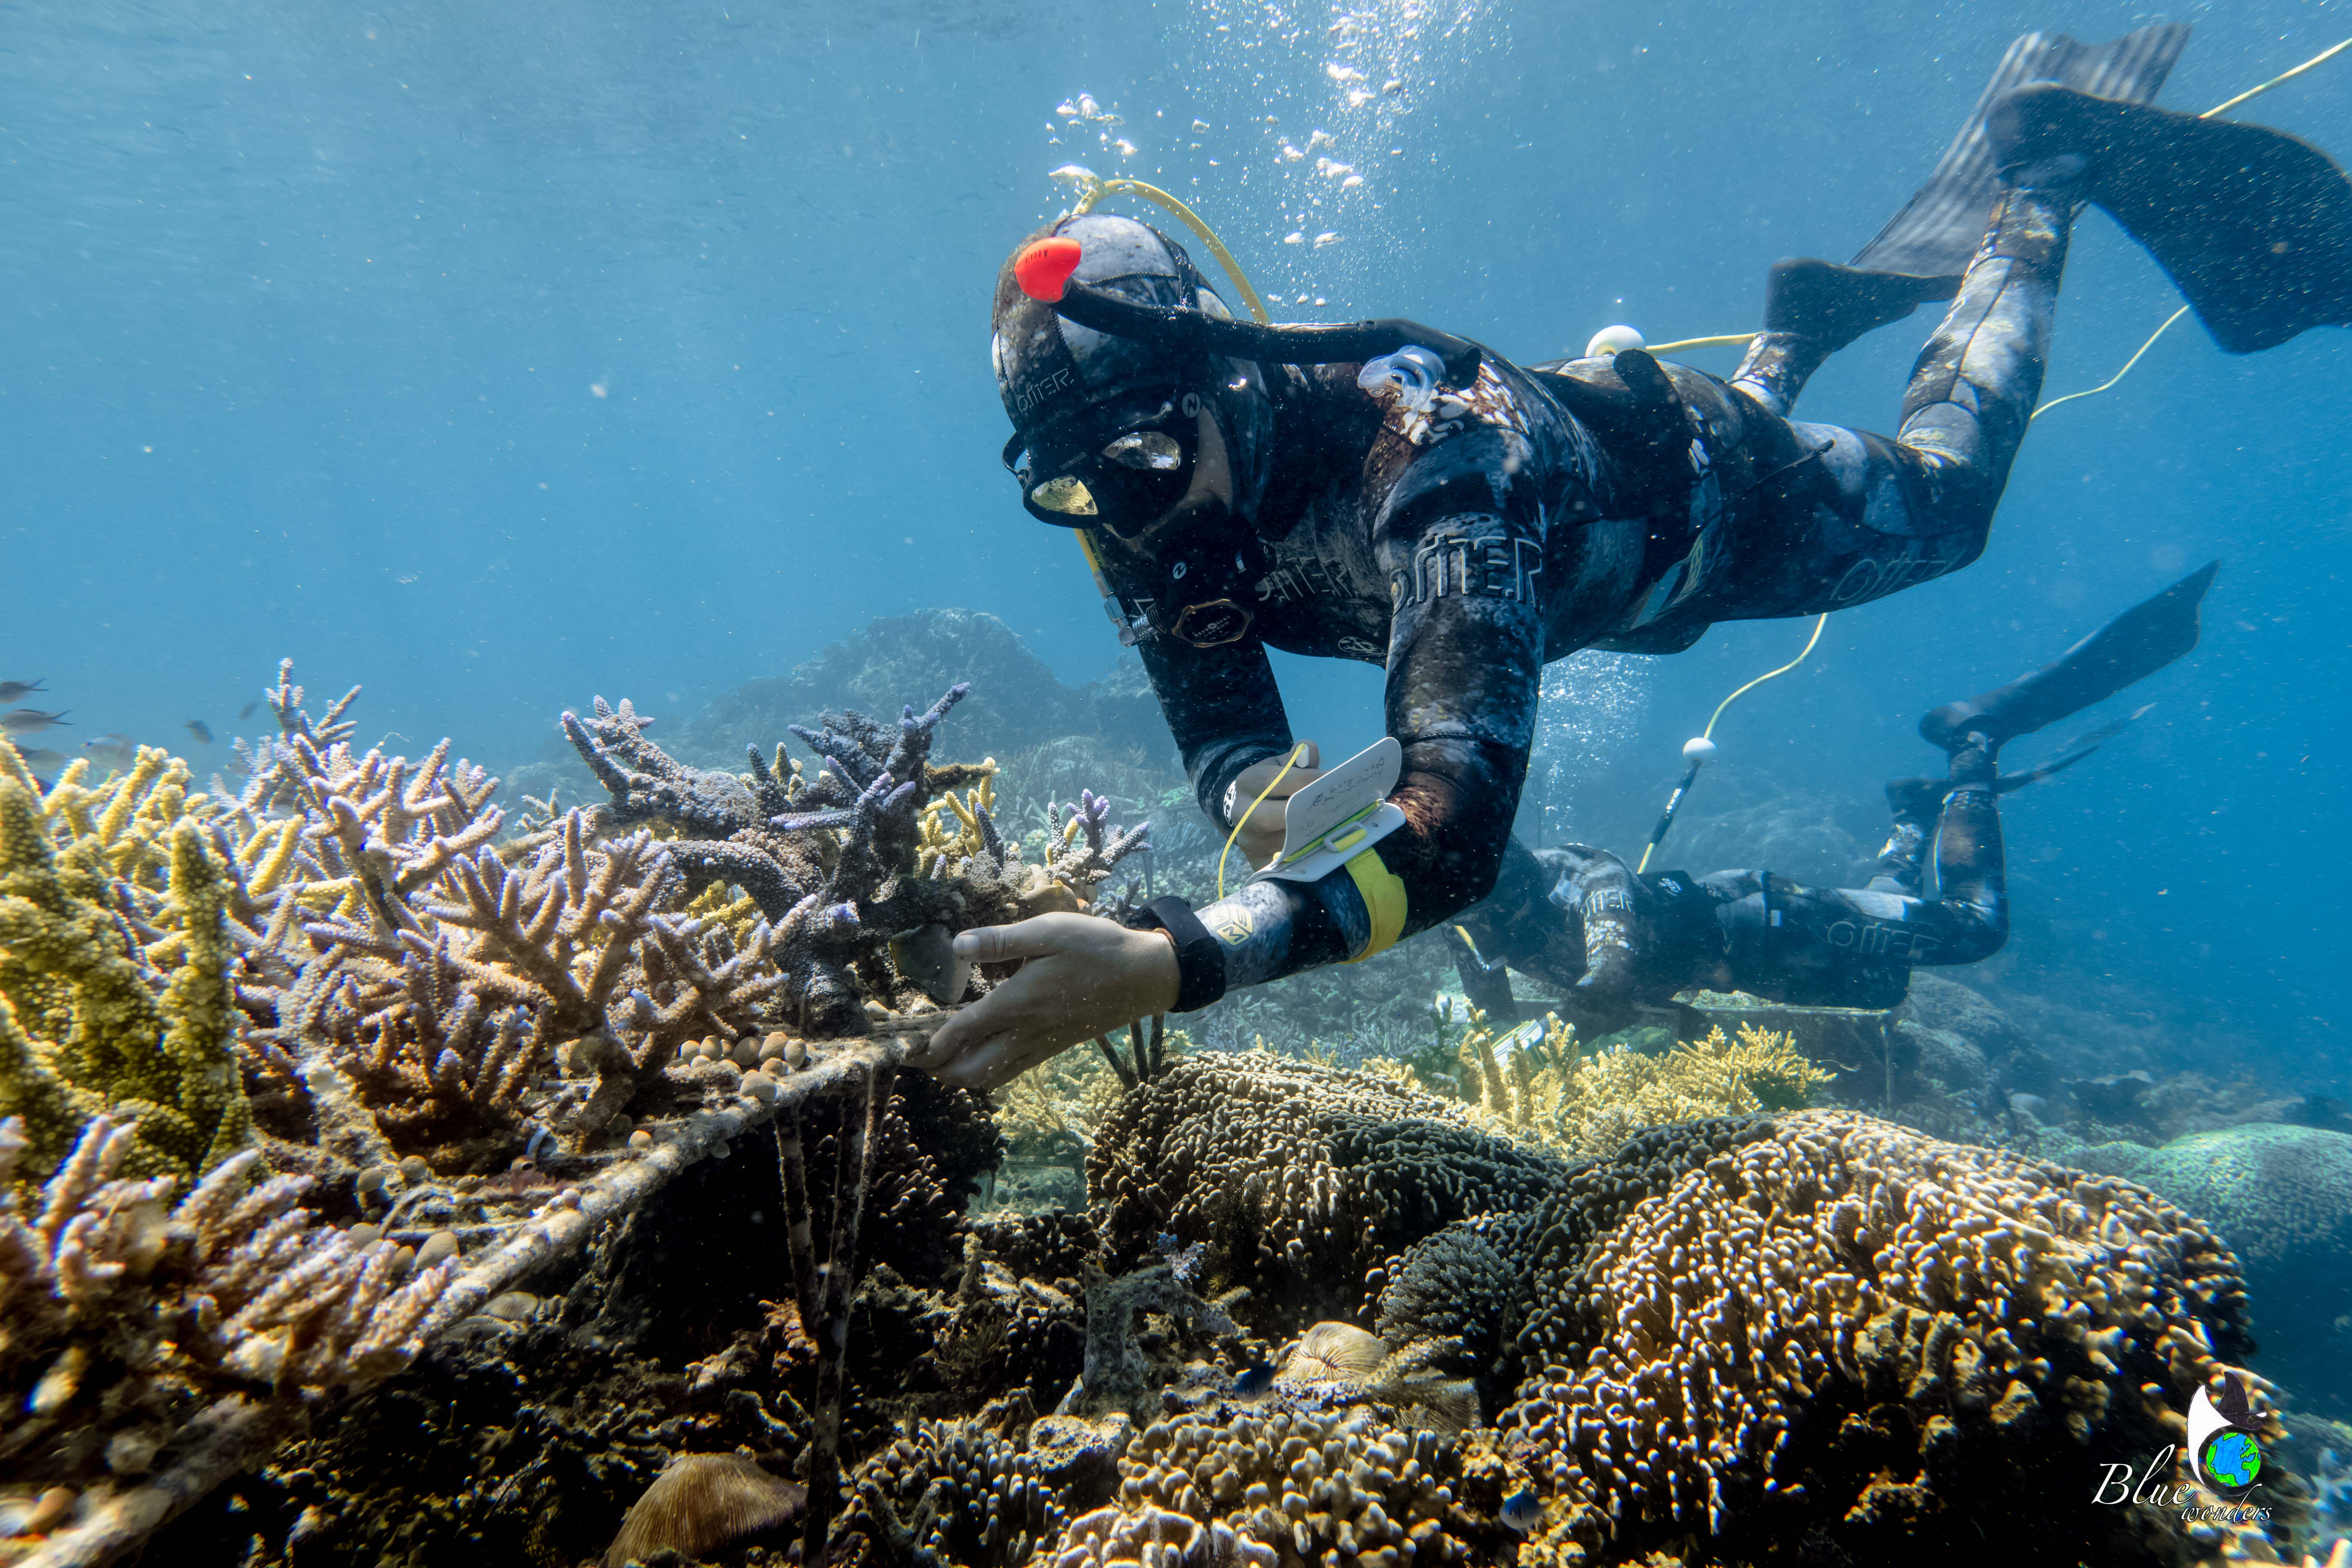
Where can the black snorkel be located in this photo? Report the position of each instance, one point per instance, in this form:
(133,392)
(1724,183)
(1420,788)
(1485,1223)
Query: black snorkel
(1044,269)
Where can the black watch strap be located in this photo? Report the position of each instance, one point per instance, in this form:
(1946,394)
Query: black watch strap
(1200,957)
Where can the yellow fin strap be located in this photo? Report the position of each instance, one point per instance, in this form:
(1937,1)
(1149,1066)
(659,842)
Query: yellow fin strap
(1383,899)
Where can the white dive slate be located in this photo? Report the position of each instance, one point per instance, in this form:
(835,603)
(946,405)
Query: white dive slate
(1340,815)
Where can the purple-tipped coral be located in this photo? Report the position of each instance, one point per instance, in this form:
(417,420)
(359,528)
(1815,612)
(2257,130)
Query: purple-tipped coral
(838,864)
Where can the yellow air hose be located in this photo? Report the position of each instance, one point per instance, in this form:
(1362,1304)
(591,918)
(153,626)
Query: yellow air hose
(1094,188)
(1296,752)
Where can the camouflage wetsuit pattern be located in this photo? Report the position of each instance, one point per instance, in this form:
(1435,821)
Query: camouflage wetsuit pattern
(1465,542)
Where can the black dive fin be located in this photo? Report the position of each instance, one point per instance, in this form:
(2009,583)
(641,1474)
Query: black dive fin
(1922,251)
(2253,226)
(1835,305)
(2073,752)
(2132,647)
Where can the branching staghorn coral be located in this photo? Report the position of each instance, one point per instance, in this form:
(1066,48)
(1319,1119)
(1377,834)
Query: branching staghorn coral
(1588,1105)
(89,1015)
(120,1310)
(842,864)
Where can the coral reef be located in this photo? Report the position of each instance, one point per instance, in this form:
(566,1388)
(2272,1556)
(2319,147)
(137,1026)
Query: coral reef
(2281,1197)
(114,957)
(524,1069)
(840,864)
(1299,1179)
(971,1492)
(470,1045)
(1806,1325)
(1824,1323)
(1233,1485)
(1589,1104)
(124,1313)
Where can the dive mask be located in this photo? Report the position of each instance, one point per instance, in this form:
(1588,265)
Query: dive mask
(1123,469)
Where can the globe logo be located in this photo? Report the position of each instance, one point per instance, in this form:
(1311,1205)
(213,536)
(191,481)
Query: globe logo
(2232,1460)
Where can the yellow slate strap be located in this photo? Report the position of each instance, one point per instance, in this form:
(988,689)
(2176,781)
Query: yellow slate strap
(1384,899)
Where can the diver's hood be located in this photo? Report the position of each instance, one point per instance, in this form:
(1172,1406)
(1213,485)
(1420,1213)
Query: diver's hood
(1050,369)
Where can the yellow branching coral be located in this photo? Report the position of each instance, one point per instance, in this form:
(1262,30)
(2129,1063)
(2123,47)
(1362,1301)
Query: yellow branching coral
(90,1016)
(1543,1091)
(943,845)
(1054,1107)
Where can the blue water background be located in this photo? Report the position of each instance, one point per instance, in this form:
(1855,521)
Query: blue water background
(497,356)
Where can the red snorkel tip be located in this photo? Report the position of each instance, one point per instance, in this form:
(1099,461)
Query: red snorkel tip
(1043,269)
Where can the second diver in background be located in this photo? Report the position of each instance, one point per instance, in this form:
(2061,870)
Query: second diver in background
(1612,939)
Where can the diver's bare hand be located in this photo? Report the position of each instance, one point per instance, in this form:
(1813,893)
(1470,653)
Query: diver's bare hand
(1080,976)
(1261,836)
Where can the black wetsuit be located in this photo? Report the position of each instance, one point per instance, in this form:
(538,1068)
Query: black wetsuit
(1581,504)
(1643,937)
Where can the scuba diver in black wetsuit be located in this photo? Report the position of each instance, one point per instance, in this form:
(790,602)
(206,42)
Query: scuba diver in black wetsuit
(1632,938)
(1391,493)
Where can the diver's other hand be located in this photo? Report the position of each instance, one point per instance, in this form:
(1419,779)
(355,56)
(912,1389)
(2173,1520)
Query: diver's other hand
(1080,976)
(1261,836)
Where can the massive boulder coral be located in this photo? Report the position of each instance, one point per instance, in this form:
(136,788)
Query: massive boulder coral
(1300,1179)
(1825,1324)
(2281,1197)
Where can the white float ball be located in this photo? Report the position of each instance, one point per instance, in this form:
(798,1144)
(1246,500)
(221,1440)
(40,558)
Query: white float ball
(1698,749)
(1613,339)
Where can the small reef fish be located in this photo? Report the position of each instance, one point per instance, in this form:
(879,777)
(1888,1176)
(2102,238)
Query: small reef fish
(200,730)
(42,757)
(1522,1510)
(111,751)
(10,691)
(247,711)
(31,721)
(1253,1380)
